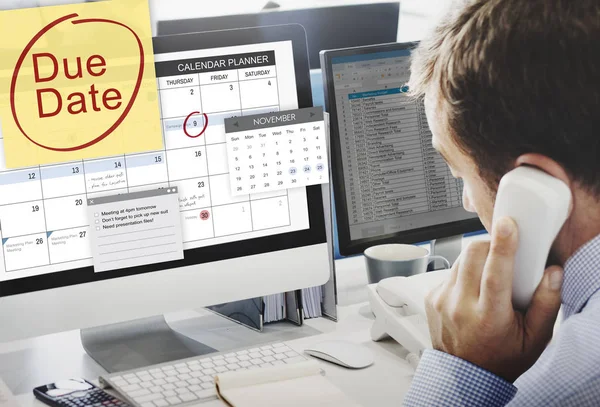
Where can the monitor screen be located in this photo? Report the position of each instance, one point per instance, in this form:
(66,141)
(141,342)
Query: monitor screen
(394,182)
(326,27)
(44,227)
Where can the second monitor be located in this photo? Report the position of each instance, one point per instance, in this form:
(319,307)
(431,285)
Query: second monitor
(390,184)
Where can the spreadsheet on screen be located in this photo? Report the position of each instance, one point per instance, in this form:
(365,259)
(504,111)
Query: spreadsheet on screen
(394,179)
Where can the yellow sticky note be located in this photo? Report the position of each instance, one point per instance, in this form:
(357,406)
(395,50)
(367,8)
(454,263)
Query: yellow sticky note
(77,81)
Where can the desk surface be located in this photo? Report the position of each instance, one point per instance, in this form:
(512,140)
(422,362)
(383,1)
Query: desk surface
(28,363)
(33,362)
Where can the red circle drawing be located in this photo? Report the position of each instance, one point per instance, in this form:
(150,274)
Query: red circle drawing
(204,215)
(28,48)
(203,128)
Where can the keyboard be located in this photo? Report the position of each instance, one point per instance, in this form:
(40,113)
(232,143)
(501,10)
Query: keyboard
(191,381)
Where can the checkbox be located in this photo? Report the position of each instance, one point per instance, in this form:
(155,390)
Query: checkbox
(97,227)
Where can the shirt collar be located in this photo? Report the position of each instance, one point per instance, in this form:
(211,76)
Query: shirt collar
(582,277)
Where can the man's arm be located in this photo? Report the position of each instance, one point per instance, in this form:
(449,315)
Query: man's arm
(445,380)
(471,314)
(566,373)
(483,344)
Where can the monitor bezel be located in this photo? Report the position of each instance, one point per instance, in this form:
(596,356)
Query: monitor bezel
(386,14)
(315,234)
(347,246)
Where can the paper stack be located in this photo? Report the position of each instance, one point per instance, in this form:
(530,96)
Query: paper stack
(274,308)
(312,299)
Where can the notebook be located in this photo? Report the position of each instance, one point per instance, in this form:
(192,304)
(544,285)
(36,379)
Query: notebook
(298,385)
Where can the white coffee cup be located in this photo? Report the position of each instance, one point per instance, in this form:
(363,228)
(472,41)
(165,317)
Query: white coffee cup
(392,260)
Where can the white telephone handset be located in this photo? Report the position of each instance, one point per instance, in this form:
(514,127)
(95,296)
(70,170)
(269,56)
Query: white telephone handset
(539,205)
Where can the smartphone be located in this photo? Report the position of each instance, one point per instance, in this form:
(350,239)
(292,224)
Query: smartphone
(76,393)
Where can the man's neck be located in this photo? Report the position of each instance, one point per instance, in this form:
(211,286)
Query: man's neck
(582,226)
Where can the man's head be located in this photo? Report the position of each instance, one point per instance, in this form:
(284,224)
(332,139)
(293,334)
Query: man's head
(514,82)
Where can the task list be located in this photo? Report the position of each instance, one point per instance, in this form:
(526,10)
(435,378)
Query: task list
(274,151)
(135,229)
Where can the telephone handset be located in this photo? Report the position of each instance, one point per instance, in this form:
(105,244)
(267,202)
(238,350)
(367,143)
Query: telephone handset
(539,205)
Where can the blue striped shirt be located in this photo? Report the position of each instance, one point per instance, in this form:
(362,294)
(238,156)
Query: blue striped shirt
(566,374)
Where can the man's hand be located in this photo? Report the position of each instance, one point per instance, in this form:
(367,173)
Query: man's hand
(471,315)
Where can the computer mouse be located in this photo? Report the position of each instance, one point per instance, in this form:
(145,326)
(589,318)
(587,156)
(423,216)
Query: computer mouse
(342,353)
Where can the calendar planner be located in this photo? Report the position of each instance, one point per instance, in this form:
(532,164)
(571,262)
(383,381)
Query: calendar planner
(274,151)
(44,222)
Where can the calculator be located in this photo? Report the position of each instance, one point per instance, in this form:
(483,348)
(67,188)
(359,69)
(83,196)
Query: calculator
(76,393)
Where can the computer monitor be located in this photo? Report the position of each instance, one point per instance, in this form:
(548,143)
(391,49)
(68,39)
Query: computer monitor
(248,246)
(390,185)
(326,27)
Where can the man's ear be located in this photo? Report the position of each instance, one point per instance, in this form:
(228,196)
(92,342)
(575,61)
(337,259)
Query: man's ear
(547,165)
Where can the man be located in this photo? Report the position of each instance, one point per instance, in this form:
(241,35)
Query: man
(509,83)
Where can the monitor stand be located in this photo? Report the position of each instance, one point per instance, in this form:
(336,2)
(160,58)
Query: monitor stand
(135,344)
(447,247)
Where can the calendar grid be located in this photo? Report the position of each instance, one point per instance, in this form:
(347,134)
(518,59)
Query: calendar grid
(23,202)
(165,144)
(246,80)
(57,230)
(4,260)
(84,177)
(44,208)
(198,84)
(278,97)
(288,149)
(44,265)
(197,166)
(212,222)
(287,193)
(207,158)
(251,220)
(234,234)
(125,169)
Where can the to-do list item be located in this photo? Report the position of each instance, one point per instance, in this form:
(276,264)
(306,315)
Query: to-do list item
(135,229)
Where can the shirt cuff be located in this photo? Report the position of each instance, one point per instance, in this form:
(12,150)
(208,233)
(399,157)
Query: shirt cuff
(445,380)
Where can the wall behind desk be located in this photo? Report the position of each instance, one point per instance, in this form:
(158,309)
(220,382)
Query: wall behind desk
(416,16)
